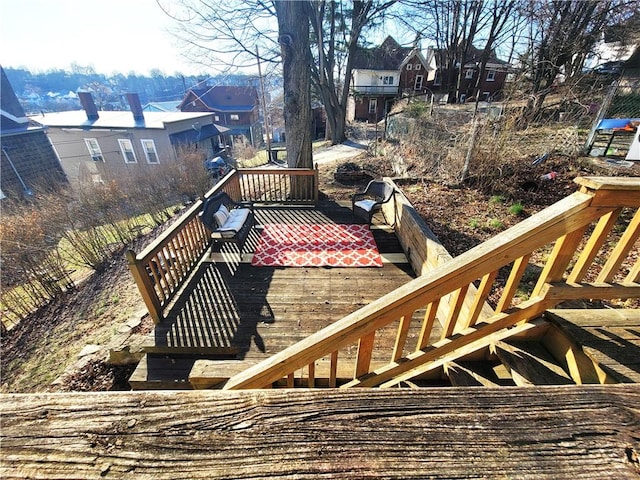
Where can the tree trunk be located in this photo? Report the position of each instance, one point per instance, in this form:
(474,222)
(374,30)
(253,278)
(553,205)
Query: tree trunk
(293,29)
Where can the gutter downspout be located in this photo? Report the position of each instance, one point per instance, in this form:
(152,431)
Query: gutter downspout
(26,190)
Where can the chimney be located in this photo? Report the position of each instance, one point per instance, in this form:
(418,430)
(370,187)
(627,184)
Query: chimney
(136,108)
(89,106)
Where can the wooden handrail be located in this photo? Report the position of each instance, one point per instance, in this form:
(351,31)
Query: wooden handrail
(561,224)
(162,268)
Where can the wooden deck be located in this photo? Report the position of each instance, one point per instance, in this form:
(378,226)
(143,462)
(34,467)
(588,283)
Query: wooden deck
(237,314)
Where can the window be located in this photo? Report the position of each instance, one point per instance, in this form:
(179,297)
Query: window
(419,82)
(234,116)
(468,73)
(126,147)
(438,78)
(94,149)
(418,66)
(387,80)
(491,75)
(373,105)
(149,148)
(409,66)
(216,118)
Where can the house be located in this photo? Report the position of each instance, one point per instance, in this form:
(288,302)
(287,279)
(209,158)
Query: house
(29,162)
(383,74)
(233,107)
(92,143)
(443,81)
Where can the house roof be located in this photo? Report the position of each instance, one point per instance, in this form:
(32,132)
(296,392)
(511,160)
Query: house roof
(171,106)
(195,136)
(223,98)
(388,56)
(13,118)
(116,119)
(475,54)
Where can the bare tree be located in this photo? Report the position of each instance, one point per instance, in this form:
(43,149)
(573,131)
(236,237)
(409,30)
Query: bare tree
(226,34)
(293,26)
(337,32)
(452,26)
(500,18)
(563,33)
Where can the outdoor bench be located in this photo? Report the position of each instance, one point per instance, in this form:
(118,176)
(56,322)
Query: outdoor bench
(227,220)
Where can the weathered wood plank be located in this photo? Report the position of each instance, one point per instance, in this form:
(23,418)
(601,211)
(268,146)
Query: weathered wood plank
(564,432)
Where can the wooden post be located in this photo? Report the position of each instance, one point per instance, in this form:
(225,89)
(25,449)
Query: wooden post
(145,286)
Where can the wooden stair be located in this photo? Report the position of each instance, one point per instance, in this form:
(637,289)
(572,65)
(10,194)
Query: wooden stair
(509,363)
(530,363)
(476,374)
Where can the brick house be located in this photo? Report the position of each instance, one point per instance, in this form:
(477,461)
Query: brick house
(442,81)
(383,74)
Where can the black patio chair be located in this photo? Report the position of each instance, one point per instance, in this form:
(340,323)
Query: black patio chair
(369,201)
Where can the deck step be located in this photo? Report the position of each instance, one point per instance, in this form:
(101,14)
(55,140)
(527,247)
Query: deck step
(530,363)
(474,374)
(214,373)
(157,371)
(222,257)
(610,338)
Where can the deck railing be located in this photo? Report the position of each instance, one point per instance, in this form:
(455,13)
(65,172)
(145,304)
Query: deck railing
(163,267)
(573,234)
(280,185)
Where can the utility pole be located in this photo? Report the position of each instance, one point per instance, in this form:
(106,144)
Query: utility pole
(264,108)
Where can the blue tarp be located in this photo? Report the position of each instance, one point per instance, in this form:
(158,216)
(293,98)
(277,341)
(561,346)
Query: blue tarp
(618,123)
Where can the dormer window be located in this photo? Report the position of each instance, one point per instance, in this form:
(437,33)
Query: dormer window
(491,75)
(418,66)
(409,66)
(387,80)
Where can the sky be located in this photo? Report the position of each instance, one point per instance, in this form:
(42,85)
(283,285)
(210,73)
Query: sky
(109,35)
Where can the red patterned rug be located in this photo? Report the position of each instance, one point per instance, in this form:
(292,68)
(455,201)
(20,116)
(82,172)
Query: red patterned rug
(304,245)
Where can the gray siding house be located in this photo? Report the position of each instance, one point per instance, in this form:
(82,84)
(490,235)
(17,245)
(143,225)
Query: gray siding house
(94,144)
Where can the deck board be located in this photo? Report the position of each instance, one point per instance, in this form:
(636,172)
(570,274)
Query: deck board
(262,310)
(610,337)
(586,432)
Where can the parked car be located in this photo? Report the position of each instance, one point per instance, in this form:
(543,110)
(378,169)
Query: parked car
(608,68)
